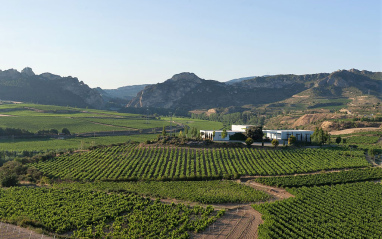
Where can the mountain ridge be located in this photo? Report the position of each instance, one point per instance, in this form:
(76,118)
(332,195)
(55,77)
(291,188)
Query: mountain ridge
(189,91)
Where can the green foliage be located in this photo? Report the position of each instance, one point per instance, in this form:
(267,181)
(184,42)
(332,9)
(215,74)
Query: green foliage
(292,140)
(8,179)
(249,141)
(89,213)
(164,131)
(355,175)
(275,142)
(224,134)
(256,133)
(362,140)
(319,136)
(9,173)
(237,136)
(196,191)
(338,139)
(65,131)
(343,211)
(129,162)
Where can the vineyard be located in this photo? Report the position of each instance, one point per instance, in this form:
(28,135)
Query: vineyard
(89,214)
(196,191)
(341,211)
(355,175)
(132,162)
(362,140)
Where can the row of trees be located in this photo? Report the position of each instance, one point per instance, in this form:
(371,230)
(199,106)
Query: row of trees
(23,132)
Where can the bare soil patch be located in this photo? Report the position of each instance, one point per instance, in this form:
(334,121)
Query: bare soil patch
(242,222)
(354,130)
(5,115)
(9,231)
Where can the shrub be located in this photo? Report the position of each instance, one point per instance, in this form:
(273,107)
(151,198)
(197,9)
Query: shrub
(275,142)
(291,140)
(237,136)
(338,140)
(8,179)
(249,141)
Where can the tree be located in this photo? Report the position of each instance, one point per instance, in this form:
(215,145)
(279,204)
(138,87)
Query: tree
(9,173)
(338,140)
(65,131)
(213,134)
(224,134)
(249,141)
(256,133)
(275,142)
(291,140)
(164,131)
(320,136)
(180,134)
(186,130)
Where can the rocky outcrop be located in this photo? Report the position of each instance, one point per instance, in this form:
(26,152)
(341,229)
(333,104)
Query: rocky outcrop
(170,93)
(188,91)
(27,71)
(47,88)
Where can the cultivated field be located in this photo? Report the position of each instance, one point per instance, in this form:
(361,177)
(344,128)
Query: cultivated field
(131,162)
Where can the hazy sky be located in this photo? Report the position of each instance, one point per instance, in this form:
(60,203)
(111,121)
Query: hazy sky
(117,43)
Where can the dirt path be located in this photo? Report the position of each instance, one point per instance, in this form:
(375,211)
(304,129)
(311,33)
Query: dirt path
(353,130)
(236,223)
(240,220)
(277,193)
(9,231)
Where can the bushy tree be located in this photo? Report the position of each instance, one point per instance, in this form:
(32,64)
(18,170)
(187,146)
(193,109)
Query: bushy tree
(275,142)
(65,131)
(164,131)
(320,136)
(291,140)
(9,173)
(249,141)
(255,132)
(224,133)
(338,140)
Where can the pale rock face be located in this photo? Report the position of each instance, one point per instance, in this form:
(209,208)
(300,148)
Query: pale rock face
(166,95)
(27,71)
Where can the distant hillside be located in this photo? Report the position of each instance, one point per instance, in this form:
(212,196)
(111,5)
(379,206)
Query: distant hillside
(125,92)
(188,91)
(233,81)
(47,88)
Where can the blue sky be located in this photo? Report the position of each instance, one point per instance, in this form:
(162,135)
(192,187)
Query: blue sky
(117,43)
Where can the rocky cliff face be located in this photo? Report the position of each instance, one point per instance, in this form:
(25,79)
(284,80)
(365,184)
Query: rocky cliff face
(47,88)
(168,94)
(188,91)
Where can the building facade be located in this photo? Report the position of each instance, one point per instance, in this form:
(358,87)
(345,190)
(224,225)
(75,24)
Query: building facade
(283,135)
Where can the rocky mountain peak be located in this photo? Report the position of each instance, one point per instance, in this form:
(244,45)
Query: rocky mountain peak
(186,76)
(28,71)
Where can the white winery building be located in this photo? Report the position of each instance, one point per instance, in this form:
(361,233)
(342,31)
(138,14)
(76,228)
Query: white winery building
(283,135)
(208,134)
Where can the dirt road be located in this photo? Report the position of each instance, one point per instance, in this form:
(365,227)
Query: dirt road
(9,231)
(241,221)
